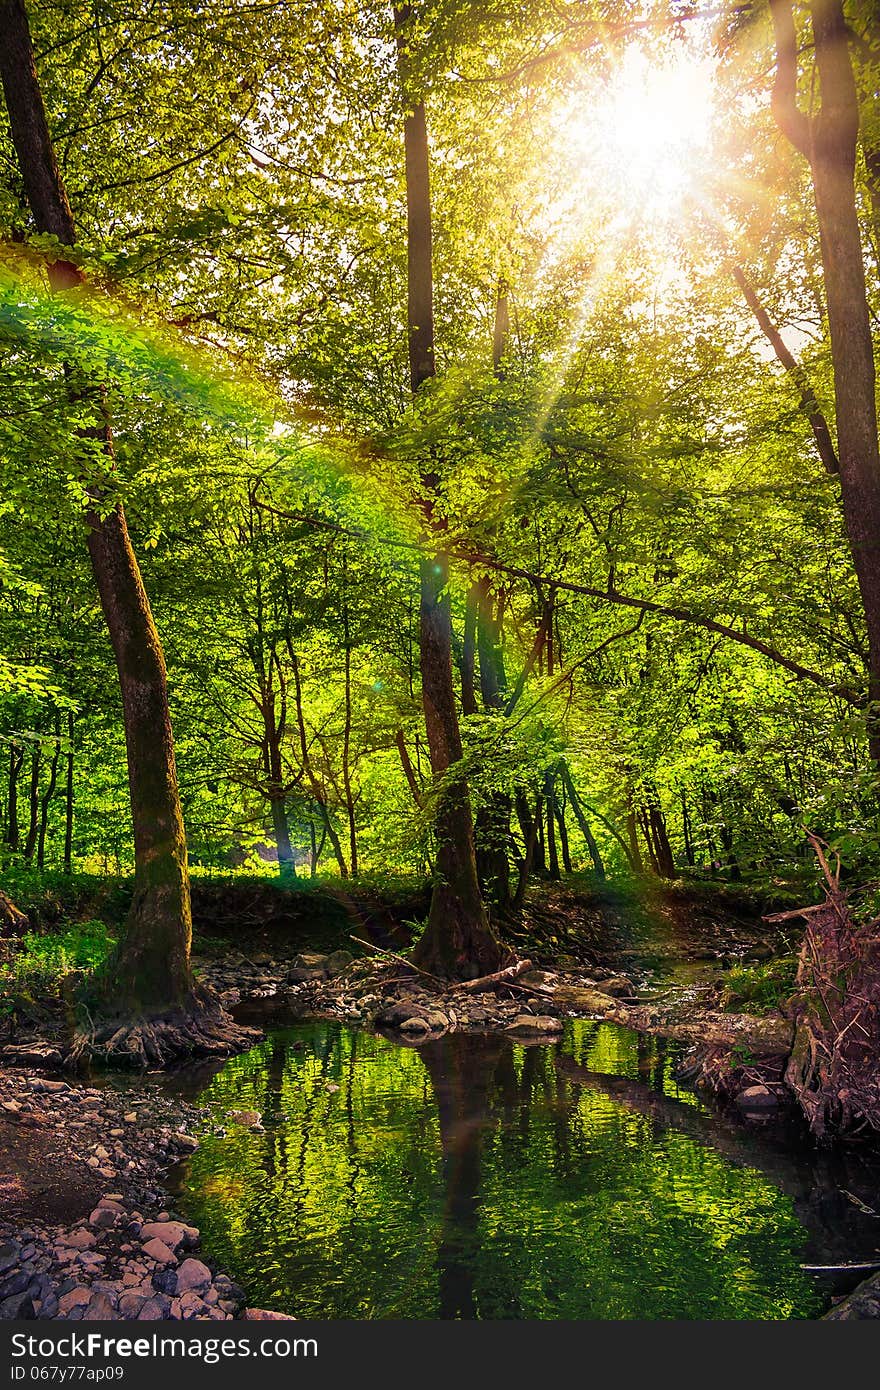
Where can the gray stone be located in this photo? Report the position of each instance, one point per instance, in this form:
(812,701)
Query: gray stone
(130,1304)
(309,965)
(757,1100)
(9,1255)
(525,1025)
(19,1306)
(338,962)
(192,1275)
(101,1308)
(151,1311)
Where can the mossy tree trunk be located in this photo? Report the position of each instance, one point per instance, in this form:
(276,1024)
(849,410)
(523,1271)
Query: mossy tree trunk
(144,1007)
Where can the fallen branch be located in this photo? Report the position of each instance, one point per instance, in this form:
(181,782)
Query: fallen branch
(499,977)
(401,960)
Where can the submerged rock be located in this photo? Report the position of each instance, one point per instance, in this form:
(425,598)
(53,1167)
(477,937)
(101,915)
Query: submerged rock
(525,1024)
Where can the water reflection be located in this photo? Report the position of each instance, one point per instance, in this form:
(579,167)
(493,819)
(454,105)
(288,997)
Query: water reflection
(469,1178)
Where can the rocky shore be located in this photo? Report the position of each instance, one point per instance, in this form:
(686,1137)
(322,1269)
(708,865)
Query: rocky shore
(125,1256)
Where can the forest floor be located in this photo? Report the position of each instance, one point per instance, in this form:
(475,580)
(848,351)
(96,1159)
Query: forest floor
(88,1230)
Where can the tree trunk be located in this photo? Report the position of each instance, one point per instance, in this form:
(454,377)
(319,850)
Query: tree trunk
(149,974)
(828,141)
(48,794)
(584,825)
(346,736)
(457,940)
(30,843)
(559,809)
(68,799)
(16,758)
(469,652)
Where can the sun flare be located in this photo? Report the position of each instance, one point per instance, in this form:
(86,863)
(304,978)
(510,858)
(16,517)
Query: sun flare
(642,138)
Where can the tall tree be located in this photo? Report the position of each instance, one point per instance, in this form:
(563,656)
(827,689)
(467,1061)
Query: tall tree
(146,1006)
(828,140)
(458,939)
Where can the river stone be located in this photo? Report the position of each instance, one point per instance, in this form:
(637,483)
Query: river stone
(395,1014)
(130,1304)
(265,1315)
(158,1251)
(757,1100)
(338,962)
(862,1303)
(81,1240)
(103,1217)
(9,1255)
(151,1311)
(309,965)
(171,1233)
(19,1306)
(618,986)
(100,1309)
(74,1298)
(192,1275)
(415,1025)
(525,1024)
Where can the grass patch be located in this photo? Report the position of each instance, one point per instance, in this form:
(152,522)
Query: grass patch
(760,988)
(40,961)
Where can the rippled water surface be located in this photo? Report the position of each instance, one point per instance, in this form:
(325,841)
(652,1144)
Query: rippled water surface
(471,1178)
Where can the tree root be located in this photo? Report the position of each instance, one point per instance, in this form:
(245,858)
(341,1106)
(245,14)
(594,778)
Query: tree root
(833,1069)
(200,1027)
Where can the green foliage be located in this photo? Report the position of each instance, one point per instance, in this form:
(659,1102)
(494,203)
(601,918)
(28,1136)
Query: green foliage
(760,988)
(41,961)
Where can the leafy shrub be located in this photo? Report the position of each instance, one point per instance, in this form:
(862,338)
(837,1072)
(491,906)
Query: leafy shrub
(43,959)
(760,988)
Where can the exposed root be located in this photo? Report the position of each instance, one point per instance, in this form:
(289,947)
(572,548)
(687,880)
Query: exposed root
(199,1028)
(833,1068)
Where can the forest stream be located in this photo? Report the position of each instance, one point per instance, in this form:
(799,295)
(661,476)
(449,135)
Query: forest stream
(474,1178)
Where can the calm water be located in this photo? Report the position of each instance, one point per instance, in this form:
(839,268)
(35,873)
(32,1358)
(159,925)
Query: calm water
(470,1178)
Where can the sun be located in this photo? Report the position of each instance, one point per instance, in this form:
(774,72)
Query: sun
(640,137)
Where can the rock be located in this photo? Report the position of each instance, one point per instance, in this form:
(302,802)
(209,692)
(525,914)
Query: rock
(9,1255)
(16,1283)
(174,1234)
(151,1311)
(264,1315)
(525,1024)
(130,1118)
(861,1304)
(101,1308)
(102,1218)
(415,1025)
(338,962)
(81,1240)
(757,1100)
(192,1275)
(586,1001)
(158,1251)
(130,1304)
(618,986)
(19,1307)
(398,1012)
(165,1281)
(250,1119)
(191,1304)
(307,966)
(75,1298)
(187,1142)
